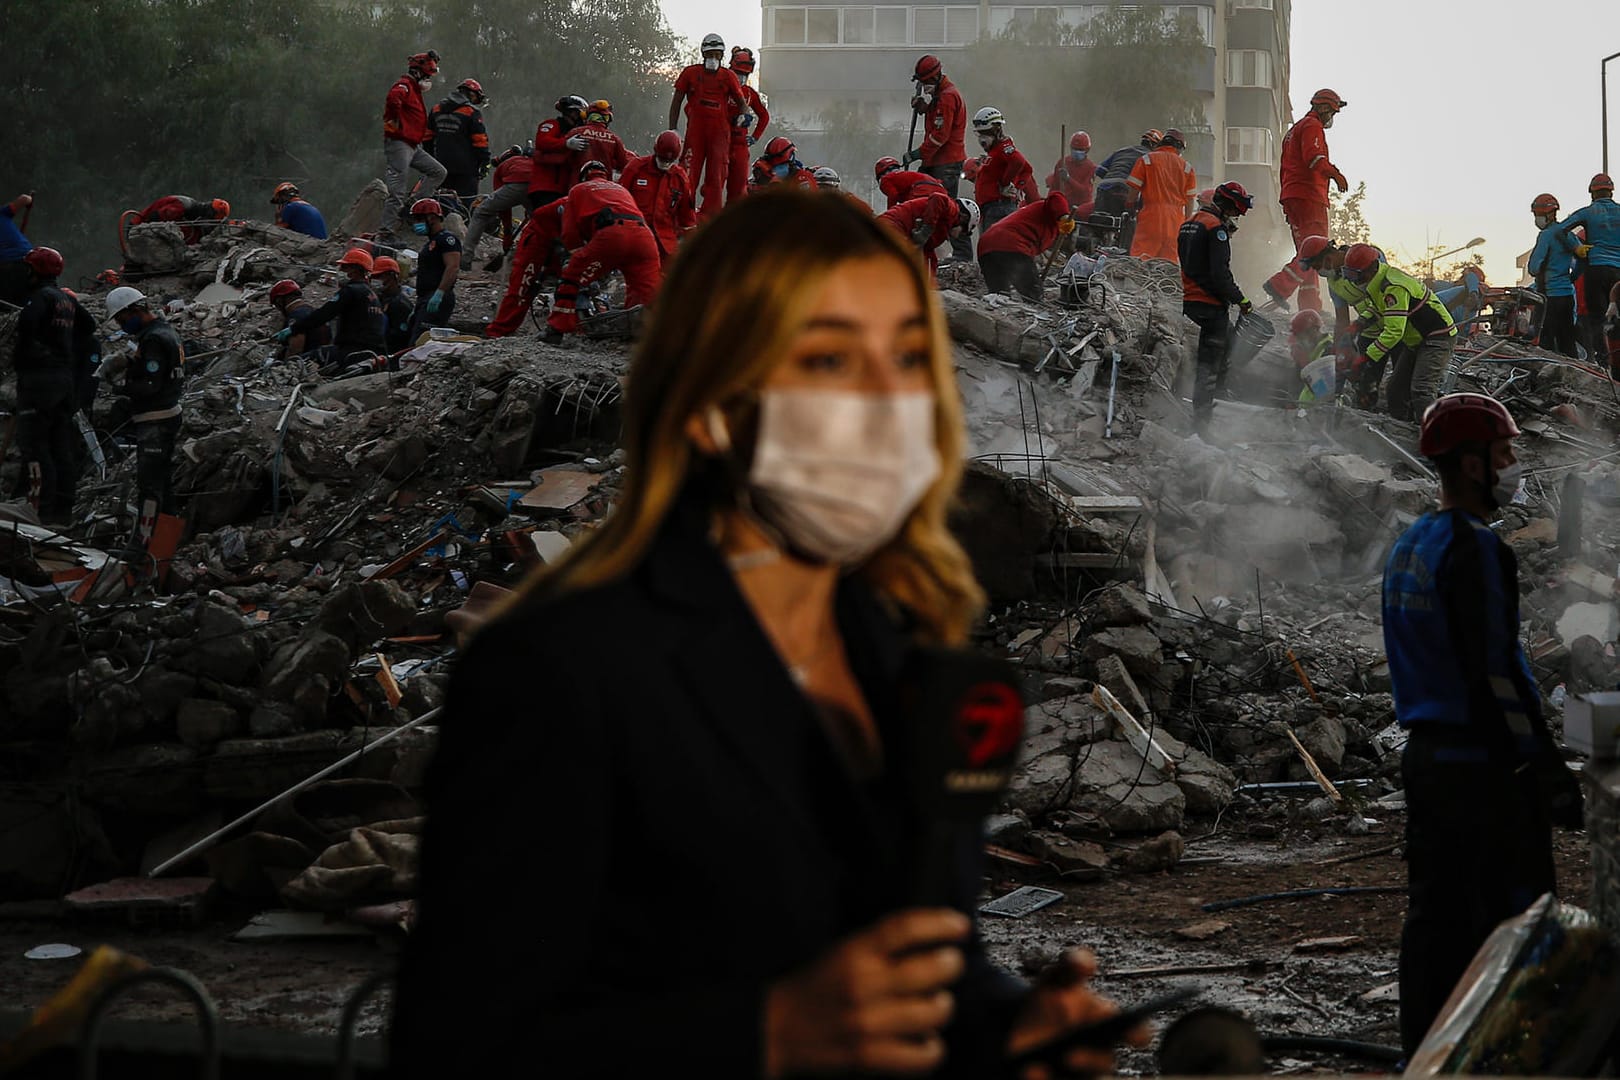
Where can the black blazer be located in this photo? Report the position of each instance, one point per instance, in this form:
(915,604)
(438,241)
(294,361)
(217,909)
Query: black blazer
(635,823)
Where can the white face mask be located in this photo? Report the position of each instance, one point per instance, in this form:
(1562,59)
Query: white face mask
(923,92)
(662,165)
(986,139)
(1507,483)
(711,63)
(1327,121)
(835,472)
(1542,221)
(426,84)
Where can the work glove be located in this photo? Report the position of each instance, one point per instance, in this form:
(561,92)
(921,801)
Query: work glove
(909,156)
(1245,306)
(280,336)
(577,142)
(483,170)
(750,140)
(1581,250)
(920,233)
(435,302)
(1361,361)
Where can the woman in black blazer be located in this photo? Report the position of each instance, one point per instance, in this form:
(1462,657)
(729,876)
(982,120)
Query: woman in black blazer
(664,832)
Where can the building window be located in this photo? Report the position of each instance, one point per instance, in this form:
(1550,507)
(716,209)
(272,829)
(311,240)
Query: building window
(928,26)
(1248,67)
(821,26)
(858,26)
(787,26)
(1262,5)
(891,26)
(961,25)
(1250,146)
(1201,17)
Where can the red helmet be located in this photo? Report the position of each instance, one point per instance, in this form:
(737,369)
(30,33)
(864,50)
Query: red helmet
(742,60)
(285,189)
(1307,321)
(356,257)
(1234,197)
(1544,204)
(594,169)
(473,90)
(884,165)
(1361,263)
(384,264)
(221,208)
(424,63)
(1079,141)
(1206,199)
(427,208)
(1601,182)
(779,150)
(1312,248)
(927,68)
(284,288)
(970,169)
(1175,138)
(1152,137)
(667,147)
(108,279)
(44,261)
(1463,418)
(1328,97)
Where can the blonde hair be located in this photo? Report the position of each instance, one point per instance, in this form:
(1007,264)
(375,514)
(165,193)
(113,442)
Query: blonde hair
(737,295)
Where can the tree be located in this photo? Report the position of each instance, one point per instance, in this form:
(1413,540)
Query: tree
(1345,221)
(849,139)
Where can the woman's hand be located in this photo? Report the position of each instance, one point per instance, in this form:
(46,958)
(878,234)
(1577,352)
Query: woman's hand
(1062,1001)
(875,1003)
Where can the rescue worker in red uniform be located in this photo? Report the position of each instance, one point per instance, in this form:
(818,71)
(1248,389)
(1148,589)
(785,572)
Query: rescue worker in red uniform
(405,128)
(900,185)
(457,138)
(780,165)
(513,170)
(601,144)
(931,221)
(1169,184)
(556,141)
(1008,248)
(176,208)
(712,96)
(748,123)
(1303,180)
(1075,176)
(602,226)
(539,255)
(942,153)
(661,188)
(1006,179)
(1208,289)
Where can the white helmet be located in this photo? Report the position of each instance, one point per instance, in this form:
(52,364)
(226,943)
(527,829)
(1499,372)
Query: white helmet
(713,43)
(987,118)
(971,210)
(826,177)
(123,298)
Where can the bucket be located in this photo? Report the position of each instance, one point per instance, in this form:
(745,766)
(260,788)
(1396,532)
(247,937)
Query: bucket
(1249,336)
(1319,375)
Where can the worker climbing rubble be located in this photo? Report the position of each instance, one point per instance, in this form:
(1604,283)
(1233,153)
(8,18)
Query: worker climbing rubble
(712,97)
(405,127)
(513,169)
(456,138)
(1304,175)
(603,229)
(1209,290)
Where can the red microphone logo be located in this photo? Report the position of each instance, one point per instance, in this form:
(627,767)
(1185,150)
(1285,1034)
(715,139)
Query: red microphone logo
(989,723)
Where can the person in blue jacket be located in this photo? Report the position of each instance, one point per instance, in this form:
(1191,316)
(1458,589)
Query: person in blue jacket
(16,279)
(1552,264)
(1601,250)
(292,212)
(1484,779)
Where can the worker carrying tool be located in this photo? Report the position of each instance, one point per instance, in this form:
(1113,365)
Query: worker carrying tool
(1168,184)
(1484,779)
(1208,290)
(1007,250)
(1075,176)
(1303,181)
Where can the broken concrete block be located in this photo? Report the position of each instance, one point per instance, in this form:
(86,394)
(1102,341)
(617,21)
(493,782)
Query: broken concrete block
(1207,784)
(1112,673)
(1113,784)
(222,648)
(1137,646)
(368,391)
(365,213)
(144,900)
(1120,605)
(304,672)
(361,613)
(1002,522)
(1154,856)
(1594,620)
(398,458)
(202,723)
(1324,738)
(159,247)
(1077,860)
(271,719)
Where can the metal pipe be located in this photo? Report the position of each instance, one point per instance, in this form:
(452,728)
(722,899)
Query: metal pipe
(213,837)
(1415,462)
(1603,69)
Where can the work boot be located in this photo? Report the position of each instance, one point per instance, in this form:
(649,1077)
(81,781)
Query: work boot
(495,264)
(1276,297)
(551,336)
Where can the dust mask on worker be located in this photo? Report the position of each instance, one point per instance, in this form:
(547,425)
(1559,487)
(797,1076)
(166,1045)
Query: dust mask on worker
(662,165)
(1543,220)
(987,139)
(781,171)
(425,84)
(1327,121)
(1077,155)
(836,473)
(922,92)
(1507,484)
(711,63)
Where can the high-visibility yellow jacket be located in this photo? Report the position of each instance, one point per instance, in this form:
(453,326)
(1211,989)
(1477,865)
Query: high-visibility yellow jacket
(1409,309)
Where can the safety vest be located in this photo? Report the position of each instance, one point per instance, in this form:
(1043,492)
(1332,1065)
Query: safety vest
(1409,309)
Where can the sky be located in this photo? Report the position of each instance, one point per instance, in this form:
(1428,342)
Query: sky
(1461,111)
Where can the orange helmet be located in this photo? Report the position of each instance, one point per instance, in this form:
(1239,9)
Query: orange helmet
(1463,418)
(1312,248)
(1307,321)
(1601,182)
(221,208)
(742,60)
(284,190)
(1361,263)
(601,111)
(384,264)
(427,208)
(44,261)
(356,257)
(1152,137)
(1544,204)
(108,279)
(779,150)
(1328,97)
(667,147)
(284,288)
(593,170)
(928,67)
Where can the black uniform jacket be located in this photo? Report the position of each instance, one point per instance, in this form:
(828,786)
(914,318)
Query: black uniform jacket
(636,822)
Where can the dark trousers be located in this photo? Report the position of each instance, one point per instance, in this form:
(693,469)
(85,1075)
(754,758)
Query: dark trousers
(1005,271)
(1558,325)
(154,464)
(46,433)
(949,174)
(1398,390)
(421,318)
(464,184)
(537,199)
(1598,282)
(993,211)
(1478,851)
(1214,335)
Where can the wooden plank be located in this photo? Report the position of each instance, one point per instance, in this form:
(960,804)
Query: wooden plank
(1311,767)
(1106,504)
(406,558)
(1135,733)
(560,487)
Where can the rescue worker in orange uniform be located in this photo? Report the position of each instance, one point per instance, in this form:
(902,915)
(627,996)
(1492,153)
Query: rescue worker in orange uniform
(556,141)
(1305,173)
(1168,183)
(1006,180)
(748,122)
(538,255)
(1208,289)
(663,191)
(1075,176)
(712,96)
(600,143)
(1008,248)
(900,185)
(602,226)
(931,221)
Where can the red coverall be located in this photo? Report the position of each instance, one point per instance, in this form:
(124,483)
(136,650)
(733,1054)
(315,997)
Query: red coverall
(404,113)
(762,176)
(1029,230)
(1005,167)
(938,211)
(605,147)
(665,198)
(711,97)
(1306,170)
(536,256)
(517,169)
(1167,182)
(903,185)
(944,125)
(178,208)
(603,227)
(1077,181)
(737,173)
(553,171)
